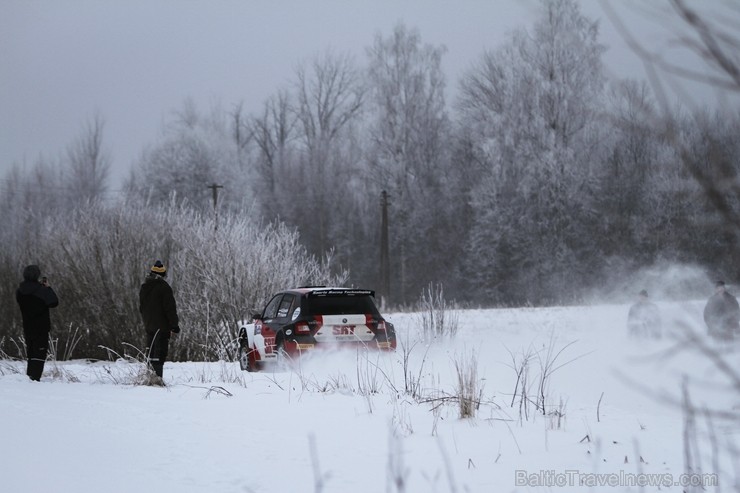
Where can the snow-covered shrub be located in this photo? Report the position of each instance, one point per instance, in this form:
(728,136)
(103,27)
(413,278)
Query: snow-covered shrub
(532,388)
(521,397)
(8,364)
(468,390)
(96,259)
(438,318)
(412,380)
(221,275)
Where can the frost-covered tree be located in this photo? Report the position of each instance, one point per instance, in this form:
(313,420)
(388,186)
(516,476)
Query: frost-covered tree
(194,152)
(87,166)
(272,132)
(328,101)
(531,108)
(626,192)
(711,176)
(409,154)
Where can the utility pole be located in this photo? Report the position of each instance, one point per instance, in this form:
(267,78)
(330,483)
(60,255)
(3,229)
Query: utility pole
(214,188)
(385,277)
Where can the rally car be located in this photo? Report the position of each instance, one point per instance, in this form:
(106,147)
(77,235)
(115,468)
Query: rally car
(303,319)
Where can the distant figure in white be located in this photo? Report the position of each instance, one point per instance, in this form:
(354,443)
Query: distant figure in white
(722,314)
(643,319)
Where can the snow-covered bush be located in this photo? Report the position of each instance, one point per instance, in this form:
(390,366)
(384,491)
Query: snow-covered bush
(438,318)
(97,257)
(469,388)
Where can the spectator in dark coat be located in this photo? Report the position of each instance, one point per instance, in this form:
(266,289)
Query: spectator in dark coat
(159,312)
(722,314)
(35,297)
(644,318)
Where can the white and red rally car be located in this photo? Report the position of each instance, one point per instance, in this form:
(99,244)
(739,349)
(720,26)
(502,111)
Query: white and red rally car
(303,319)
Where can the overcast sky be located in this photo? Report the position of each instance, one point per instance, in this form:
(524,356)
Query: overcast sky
(134,62)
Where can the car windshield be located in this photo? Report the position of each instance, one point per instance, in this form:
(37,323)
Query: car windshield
(339,305)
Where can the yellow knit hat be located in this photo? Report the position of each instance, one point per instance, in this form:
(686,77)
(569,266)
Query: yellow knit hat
(159,268)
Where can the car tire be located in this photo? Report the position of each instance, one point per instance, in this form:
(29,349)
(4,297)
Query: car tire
(244,358)
(281,357)
(243,354)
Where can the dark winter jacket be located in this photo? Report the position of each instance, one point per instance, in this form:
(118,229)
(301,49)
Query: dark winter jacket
(722,315)
(35,300)
(157,305)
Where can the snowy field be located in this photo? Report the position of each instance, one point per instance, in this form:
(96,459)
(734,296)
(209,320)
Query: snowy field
(374,422)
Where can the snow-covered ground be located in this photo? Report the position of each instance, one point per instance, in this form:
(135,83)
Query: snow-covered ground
(373,422)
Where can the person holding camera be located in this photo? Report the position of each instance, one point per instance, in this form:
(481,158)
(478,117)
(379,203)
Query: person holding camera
(159,312)
(35,297)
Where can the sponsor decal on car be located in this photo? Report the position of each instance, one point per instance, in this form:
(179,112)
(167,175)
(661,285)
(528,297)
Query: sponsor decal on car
(342,292)
(343,330)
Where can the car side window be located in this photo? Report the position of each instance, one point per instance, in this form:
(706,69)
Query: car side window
(285,305)
(272,307)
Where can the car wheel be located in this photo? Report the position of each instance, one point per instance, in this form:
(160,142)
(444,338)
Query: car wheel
(281,357)
(243,354)
(244,358)
(391,335)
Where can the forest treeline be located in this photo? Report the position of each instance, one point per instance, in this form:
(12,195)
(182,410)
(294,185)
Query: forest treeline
(542,180)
